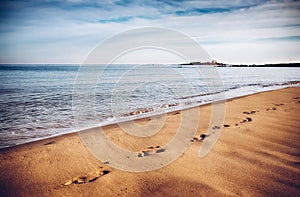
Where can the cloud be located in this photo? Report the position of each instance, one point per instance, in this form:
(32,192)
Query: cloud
(65,31)
(116,20)
(196,11)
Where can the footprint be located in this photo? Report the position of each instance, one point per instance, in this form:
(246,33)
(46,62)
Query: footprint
(195,139)
(151,150)
(251,112)
(86,179)
(216,127)
(77,180)
(160,150)
(153,147)
(200,138)
(280,104)
(245,112)
(247,119)
(203,136)
(144,153)
(268,109)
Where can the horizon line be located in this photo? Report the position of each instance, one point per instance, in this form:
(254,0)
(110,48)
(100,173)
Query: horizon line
(162,63)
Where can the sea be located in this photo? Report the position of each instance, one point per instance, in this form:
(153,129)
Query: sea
(37,100)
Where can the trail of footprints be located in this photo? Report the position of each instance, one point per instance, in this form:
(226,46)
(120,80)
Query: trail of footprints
(87,179)
(298,99)
(151,150)
(157,149)
(201,137)
(94,176)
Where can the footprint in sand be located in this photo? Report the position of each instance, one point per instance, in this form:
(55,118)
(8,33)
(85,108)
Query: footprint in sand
(268,109)
(246,120)
(151,150)
(86,179)
(200,138)
(251,112)
(216,127)
(203,136)
(153,147)
(195,139)
(280,104)
(296,98)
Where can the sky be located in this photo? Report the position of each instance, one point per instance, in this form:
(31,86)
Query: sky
(235,31)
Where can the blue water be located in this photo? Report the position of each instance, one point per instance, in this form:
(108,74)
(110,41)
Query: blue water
(36,100)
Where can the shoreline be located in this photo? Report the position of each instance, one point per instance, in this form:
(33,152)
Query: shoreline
(147,115)
(257,154)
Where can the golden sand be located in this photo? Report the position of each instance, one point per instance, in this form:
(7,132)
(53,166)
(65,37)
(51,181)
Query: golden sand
(257,154)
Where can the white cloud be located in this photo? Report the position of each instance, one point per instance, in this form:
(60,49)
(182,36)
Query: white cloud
(66,34)
(256,52)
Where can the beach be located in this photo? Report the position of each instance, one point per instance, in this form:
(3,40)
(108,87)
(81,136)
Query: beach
(257,154)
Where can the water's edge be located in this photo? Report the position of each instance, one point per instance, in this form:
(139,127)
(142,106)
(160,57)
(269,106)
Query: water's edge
(151,114)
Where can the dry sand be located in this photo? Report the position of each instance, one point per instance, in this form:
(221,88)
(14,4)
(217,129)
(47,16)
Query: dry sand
(257,157)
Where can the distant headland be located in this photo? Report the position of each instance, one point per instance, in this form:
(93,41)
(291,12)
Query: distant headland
(218,64)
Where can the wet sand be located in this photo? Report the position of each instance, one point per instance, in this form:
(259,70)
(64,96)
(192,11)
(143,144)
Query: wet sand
(257,154)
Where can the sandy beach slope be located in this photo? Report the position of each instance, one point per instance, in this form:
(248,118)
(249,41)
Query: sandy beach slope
(257,154)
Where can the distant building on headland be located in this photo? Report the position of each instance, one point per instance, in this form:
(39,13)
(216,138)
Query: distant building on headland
(212,63)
